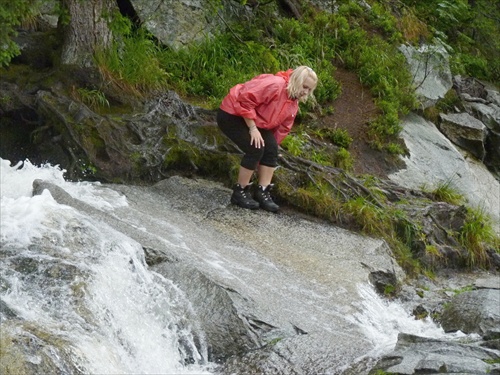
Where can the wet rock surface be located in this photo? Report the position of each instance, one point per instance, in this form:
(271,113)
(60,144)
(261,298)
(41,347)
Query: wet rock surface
(417,355)
(268,290)
(277,293)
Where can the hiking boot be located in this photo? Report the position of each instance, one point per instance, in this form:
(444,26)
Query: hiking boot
(263,196)
(243,197)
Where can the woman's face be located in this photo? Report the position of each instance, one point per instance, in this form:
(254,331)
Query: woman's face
(307,87)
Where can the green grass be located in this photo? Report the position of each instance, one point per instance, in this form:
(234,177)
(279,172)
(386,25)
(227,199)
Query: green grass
(295,143)
(445,192)
(132,65)
(466,288)
(343,159)
(371,218)
(339,137)
(93,98)
(477,236)
(394,149)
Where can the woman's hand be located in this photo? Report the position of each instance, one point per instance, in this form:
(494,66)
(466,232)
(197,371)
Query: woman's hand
(256,138)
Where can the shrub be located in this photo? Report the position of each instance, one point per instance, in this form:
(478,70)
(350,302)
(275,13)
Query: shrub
(210,67)
(394,149)
(474,65)
(343,159)
(93,98)
(445,192)
(11,16)
(294,144)
(339,137)
(371,218)
(477,236)
(379,67)
(381,17)
(469,28)
(132,63)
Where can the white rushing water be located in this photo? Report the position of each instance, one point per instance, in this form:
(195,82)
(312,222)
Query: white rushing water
(381,321)
(75,281)
(83,283)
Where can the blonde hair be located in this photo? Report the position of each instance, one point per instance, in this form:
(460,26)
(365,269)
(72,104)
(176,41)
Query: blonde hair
(297,78)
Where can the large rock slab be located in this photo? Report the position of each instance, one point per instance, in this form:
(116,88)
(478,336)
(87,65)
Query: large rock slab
(492,282)
(430,69)
(476,311)
(483,103)
(272,286)
(433,160)
(487,113)
(420,355)
(177,23)
(465,131)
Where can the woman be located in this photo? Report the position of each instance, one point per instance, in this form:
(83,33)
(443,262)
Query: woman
(257,115)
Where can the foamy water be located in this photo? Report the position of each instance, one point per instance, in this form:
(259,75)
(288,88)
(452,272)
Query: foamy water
(88,285)
(382,320)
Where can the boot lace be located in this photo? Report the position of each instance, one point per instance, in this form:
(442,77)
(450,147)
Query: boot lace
(265,194)
(244,193)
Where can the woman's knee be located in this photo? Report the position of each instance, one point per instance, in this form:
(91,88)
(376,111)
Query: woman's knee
(270,156)
(252,157)
(270,159)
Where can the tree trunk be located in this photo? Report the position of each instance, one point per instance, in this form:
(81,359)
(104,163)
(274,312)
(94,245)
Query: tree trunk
(87,30)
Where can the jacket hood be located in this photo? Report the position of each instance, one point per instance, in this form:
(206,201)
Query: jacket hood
(285,74)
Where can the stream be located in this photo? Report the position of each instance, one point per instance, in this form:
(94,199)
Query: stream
(77,295)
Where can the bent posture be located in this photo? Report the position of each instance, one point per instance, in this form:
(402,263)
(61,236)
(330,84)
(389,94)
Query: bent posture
(257,115)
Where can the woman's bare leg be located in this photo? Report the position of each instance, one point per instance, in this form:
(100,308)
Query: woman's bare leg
(265,175)
(244,176)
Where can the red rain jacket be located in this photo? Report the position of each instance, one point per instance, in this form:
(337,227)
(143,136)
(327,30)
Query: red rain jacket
(265,100)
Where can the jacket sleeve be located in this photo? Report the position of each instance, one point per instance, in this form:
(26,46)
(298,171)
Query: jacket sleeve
(258,91)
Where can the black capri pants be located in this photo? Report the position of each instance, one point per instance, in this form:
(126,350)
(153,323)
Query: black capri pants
(236,129)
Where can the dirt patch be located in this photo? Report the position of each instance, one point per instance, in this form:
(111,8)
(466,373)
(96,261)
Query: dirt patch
(353,110)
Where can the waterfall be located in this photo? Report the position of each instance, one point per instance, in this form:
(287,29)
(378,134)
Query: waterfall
(77,296)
